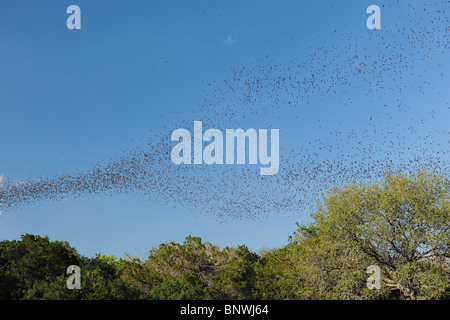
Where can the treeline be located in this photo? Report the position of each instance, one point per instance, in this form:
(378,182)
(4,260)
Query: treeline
(400,225)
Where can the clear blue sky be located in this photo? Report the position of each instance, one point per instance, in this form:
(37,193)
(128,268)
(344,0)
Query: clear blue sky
(71,98)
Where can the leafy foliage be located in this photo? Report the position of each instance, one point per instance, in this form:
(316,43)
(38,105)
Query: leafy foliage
(27,263)
(401,224)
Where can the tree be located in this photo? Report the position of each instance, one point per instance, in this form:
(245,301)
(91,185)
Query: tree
(31,261)
(211,272)
(401,223)
(275,275)
(236,278)
(185,287)
(106,278)
(326,266)
(190,257)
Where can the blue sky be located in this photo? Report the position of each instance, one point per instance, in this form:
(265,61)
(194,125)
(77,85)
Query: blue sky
(72,98)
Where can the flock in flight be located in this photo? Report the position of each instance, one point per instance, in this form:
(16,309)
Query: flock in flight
(390,69)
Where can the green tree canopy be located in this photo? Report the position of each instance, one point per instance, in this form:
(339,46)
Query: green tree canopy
(401,224)
(28,263)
